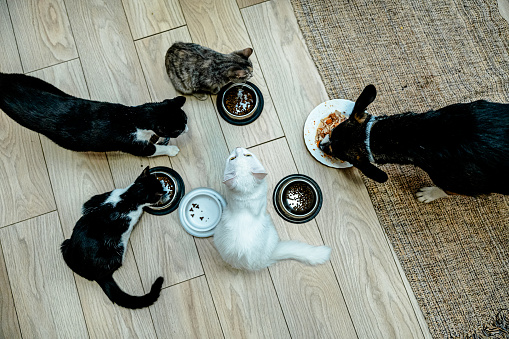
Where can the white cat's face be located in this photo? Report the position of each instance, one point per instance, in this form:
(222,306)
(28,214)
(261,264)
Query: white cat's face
(243,170)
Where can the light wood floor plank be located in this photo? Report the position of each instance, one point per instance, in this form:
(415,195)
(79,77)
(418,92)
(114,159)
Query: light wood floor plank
(9,326)
(107,52)
(186,310)
(218,24)
(43,32)
(75,178)
(246,302)
(149,17)
(247,3)
(162,247)
(26,190)
(9,61)
(370,281)
(43,287)
(310,296)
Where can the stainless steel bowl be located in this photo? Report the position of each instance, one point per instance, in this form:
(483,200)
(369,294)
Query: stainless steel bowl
(169,201)
(297,198)
(237,86)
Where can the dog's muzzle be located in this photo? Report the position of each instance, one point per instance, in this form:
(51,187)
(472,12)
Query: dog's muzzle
(325,145)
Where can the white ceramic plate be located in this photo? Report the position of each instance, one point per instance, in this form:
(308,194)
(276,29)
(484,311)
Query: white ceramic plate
(200,211)
(321,111)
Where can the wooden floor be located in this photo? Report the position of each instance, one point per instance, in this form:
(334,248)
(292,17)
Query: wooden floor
(113,50)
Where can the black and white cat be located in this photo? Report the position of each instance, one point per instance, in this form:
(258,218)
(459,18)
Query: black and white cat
(86,125)
(99,240)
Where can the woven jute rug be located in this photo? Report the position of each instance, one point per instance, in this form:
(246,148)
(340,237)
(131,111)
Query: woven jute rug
(424,55)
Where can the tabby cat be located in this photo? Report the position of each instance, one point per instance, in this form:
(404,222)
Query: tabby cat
(197,70)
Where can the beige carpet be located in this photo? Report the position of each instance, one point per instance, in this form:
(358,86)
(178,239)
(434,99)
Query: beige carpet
(424,55)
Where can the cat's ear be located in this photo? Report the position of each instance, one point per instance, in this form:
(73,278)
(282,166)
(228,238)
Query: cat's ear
(179,101)
(257,169)
(259,176)
(230,183)
(244,53)
(367,96)
(145,172)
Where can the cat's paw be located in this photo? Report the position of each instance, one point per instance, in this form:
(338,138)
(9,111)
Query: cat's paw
(215,89)
(200,96)
(163,141)
(428,194)
(173,151)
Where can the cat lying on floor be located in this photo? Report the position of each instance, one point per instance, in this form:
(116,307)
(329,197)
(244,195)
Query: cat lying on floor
(99,240)
(86,125)
(246,237)
(197,70)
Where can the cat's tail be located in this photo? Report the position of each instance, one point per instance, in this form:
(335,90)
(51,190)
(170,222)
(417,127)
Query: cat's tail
(308,254)
(123,299)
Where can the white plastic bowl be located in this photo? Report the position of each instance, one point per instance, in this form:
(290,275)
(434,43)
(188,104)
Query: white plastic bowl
(200,211)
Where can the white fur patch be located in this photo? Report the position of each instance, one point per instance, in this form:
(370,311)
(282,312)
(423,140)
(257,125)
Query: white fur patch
(428,194)
(114,197)
(143,134)
(134,216)
(169,150)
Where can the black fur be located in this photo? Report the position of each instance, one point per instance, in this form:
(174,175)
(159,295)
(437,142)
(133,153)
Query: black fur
(95,249)
(86,125)
(464,147)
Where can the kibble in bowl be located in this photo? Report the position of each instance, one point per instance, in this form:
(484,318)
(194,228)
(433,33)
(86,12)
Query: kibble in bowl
(240,101)
(240,104)
(297,198)
(174,191)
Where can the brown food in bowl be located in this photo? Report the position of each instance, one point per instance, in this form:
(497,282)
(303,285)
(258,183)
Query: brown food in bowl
(299,198)
(169,187)
(326,126)
(239,100)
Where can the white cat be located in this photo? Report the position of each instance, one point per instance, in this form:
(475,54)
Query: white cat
(246,237)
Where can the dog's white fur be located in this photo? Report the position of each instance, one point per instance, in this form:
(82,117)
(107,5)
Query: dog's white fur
(246,237)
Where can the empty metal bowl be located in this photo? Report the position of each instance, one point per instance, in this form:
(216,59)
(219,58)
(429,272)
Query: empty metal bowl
(297,198)
(175,191)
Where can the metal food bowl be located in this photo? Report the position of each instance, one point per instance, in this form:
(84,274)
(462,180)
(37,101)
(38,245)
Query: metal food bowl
(167,204)
(240,119)
(297,198)
(236,87)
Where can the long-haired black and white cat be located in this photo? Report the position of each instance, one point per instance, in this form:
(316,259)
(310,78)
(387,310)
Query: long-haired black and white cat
(99,240)
(197,70)
(86,125)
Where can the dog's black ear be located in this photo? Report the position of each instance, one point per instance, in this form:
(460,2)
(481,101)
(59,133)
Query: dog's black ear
(373,172)
(367,96)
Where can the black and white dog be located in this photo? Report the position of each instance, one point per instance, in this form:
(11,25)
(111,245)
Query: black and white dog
(464,147)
